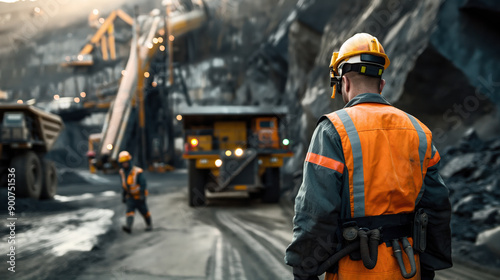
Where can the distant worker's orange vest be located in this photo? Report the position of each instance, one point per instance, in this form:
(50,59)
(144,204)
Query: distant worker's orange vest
(387,153)
(130,184)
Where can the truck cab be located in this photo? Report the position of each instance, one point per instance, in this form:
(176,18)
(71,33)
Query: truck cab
(15,128)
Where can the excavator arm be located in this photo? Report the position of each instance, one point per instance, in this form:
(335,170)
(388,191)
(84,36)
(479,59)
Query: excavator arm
(107,43)
(120,117)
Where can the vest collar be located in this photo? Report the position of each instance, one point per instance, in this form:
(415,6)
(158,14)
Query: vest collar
(367,98)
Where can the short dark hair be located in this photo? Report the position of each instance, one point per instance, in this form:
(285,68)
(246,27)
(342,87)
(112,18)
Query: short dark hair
(366,80)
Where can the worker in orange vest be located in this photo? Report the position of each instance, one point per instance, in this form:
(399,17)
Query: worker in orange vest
(372,204)
(134,191)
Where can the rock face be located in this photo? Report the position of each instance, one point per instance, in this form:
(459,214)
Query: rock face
(471,172)
(491,239)
(466,34)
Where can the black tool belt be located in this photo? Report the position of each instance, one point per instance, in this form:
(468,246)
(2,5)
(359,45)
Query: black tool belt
(363,235)
(391,226)
(391,229)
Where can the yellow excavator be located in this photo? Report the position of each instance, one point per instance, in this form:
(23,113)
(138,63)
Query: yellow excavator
(125,122)
(104,37)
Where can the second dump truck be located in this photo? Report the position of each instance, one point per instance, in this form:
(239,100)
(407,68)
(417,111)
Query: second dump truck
(234,148)
(27,134)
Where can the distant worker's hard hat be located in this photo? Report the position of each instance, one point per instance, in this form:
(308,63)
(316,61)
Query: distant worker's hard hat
(124,156)
(361,53)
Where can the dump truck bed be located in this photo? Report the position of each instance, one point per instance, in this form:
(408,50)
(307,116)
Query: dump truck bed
(47,125)
(208,114)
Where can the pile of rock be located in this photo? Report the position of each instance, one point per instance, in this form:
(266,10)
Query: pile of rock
(471,171)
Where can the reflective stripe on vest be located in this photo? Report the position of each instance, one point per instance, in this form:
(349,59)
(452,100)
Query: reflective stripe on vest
(422,149)
(325,162)
(358,182)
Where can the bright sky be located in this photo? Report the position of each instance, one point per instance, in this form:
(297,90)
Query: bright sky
(12,1)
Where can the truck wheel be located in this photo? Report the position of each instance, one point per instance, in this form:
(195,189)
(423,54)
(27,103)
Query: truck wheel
(197,180)
(49,186)
(254,195)
(28,175)
(271,182)
(4,178)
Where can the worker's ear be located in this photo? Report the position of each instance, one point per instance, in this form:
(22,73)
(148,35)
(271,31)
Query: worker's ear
(382,85)
(347,83)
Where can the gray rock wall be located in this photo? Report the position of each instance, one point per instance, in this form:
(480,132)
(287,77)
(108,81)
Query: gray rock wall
(467,34)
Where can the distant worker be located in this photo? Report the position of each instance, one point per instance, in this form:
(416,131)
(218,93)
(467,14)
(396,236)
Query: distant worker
(372,204)
(134,191)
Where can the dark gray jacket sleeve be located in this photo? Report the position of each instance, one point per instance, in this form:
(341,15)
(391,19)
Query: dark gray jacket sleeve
(435,201)
(124,191)
(317,206)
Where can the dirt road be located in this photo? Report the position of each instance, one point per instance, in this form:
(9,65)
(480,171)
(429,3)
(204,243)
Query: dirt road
(78,236)
(232,238)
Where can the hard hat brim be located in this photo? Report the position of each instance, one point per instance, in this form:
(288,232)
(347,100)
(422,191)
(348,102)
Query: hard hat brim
(334,64)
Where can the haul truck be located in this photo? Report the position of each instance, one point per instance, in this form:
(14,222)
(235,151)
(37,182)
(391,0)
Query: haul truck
(234,148)
(27,135)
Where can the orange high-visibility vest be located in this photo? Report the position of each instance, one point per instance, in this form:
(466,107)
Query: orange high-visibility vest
(387,153)
(130,183)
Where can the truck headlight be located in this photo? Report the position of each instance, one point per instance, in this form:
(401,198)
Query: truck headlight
(194,142)
(218,162)
(238,152)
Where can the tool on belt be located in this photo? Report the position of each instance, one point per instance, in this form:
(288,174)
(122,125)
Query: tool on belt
(363,235)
